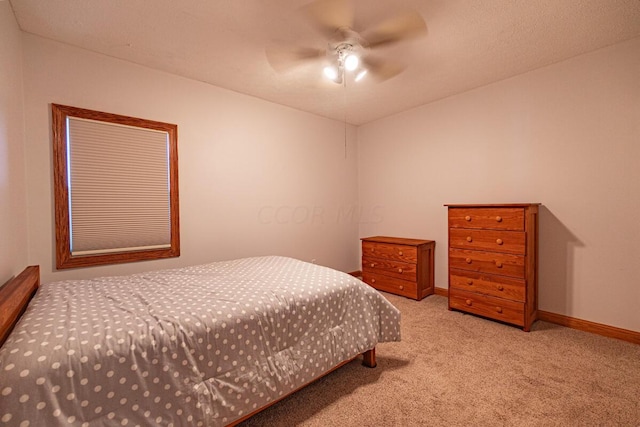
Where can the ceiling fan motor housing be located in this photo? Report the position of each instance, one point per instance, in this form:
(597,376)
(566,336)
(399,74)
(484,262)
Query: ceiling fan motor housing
(346,47)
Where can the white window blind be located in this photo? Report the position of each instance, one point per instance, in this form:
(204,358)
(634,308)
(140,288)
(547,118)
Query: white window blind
(119,194)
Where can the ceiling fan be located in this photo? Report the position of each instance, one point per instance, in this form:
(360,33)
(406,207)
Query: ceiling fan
(349,53)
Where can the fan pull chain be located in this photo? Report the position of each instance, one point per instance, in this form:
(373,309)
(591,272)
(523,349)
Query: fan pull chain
(344,82)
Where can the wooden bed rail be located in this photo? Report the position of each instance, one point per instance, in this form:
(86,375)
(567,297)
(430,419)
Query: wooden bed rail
(368,360)
(14,297)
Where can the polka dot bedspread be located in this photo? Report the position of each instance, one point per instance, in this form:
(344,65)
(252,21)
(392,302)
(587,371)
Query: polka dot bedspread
(195,346)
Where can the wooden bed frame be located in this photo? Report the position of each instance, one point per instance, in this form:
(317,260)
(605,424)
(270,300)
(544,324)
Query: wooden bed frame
(14,297)
(17,292)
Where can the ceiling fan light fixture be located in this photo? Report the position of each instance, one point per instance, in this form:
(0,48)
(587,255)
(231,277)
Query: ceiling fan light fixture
(361,74)
(351,62)
(331,72)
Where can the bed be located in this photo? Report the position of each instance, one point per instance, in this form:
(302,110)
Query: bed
(205,345)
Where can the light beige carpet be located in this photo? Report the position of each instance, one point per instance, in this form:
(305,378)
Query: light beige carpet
(454,369)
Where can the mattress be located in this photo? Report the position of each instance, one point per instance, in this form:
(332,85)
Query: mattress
(202,345)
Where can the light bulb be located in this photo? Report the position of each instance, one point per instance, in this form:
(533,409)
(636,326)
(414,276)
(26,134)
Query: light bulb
(331,72)
(351,62)
(361,75)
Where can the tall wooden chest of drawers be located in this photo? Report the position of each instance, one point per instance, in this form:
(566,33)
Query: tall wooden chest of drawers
(400,266)
(493,261)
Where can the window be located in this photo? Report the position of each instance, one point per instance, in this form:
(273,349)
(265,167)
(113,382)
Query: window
(115,186)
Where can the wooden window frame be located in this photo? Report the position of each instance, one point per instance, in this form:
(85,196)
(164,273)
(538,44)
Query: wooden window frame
(64,257)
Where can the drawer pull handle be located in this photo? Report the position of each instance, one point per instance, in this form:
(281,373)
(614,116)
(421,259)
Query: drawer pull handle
(467,218)
(468,302)
(499,218)
(499,309)
(400,270)
(499,241)
(498,264)
(372,265)
(469,239)
(401,287)
(469,282)
(500,287)
(373,280)
(468,260)
(400,253)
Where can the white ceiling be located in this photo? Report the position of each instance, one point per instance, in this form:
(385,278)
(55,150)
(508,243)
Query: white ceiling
(470,43)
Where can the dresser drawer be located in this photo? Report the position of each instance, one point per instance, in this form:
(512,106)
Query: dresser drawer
(498,286)
(512,242)
(401,270)
(390,284)
(488,306)
(487,218)
(487,262)
(391,252)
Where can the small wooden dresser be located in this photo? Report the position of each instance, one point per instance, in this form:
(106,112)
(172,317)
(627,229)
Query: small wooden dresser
(397,265)
(493,261)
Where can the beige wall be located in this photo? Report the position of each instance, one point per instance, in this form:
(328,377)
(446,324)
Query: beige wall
(255,178)
(13,208)
(567,136)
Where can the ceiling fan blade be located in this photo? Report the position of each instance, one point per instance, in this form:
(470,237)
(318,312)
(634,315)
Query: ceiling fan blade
(329,15)
(283,58)
(406,25)
(382,70)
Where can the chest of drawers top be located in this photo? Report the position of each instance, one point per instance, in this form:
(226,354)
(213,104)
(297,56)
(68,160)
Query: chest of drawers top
(396,240)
